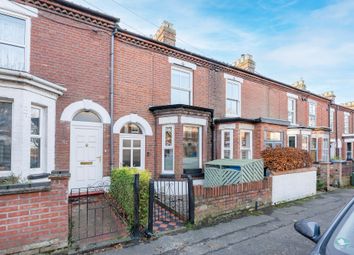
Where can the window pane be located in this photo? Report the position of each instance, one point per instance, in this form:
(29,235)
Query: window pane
(180,97)
(5,135)
(131,128)
(181,80)
(12,30)
(127,143)
(246,139)
(126,158)
(35,121)
(12,57)
(168,159)
(191,147)
(35,152)
(232,90)
(227,154)
(245,154)
(305,143)
(87,116)
(136,143)
(292,141)
(227,140)
(231,107)
(168,136)
(136,158)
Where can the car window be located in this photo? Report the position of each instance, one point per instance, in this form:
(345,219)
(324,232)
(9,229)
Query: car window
(342,239)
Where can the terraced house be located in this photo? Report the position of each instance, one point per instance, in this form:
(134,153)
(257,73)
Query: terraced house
(79,94)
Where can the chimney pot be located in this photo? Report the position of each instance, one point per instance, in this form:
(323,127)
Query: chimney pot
(349,105)
(330,95)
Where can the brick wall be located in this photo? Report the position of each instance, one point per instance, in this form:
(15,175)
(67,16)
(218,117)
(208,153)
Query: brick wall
(35,222)
(331,174)
(223,200)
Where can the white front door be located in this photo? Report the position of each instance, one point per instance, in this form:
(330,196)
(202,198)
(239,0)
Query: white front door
(85,154)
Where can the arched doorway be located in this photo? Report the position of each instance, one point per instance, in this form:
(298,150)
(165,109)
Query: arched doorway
(86,151)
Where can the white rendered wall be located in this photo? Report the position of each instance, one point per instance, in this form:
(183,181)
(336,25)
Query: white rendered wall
(288,187)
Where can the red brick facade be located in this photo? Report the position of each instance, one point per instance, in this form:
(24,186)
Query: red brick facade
(36,221)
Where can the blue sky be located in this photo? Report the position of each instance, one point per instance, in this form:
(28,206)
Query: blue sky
(289,40)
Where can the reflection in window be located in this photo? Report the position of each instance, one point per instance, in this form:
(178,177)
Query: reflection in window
(36,137)
(131,128)
(232,98)
(86,116)
(246,144)
(12,42)
(273,139)
(181,86)
(227,144)
(131,152)
(5,135)
(292,141)
(313,149)
(191,144)
(168,147)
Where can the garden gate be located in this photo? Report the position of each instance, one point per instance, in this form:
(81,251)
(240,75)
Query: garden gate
(171,204)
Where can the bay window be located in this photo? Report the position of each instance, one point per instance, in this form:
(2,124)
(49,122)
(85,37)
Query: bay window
(246,144)
(168,149)
(305,142)
(5,135)
(14,42)
(312,114)
(181,86)
(192,148)
(313,149)
(227,144)
(233,102)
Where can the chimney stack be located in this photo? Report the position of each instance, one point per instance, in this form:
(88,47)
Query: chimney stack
(300,84)
(330,95)
(166,34)
(349,105)
(246,62)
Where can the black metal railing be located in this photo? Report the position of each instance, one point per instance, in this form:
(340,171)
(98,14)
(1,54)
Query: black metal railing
(92,213)
(170,201)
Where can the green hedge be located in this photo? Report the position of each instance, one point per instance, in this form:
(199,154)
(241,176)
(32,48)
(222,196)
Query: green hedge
(122,190)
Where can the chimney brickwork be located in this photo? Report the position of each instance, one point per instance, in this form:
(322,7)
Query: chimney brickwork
(246,62)
(166,34)
(300,84)
(330,95)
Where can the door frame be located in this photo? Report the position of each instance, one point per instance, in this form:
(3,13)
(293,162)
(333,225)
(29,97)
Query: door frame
(140,137)
(83,124)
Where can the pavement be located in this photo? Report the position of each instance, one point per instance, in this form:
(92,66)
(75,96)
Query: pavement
(270,232)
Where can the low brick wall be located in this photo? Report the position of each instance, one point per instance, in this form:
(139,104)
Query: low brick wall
(218,201)
(335,174)
(34,220)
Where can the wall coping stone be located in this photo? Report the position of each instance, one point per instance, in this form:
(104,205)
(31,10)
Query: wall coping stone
(59,175)
(21,188)
(299,170)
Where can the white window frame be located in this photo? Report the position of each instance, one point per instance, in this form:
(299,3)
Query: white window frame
(231,149)
(42,137)
(140,137)
(346,123)
(331,120)
(200,136)
(238,100)
(27,45)
(164,147)
(316,159)
(314,115)
(292,111)
(184,70)
(325,150)
(251,143)
(307,144)
(295,136)
(9,171)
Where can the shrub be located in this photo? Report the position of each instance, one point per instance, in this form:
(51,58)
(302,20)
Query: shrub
(285,159)
(122,191)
